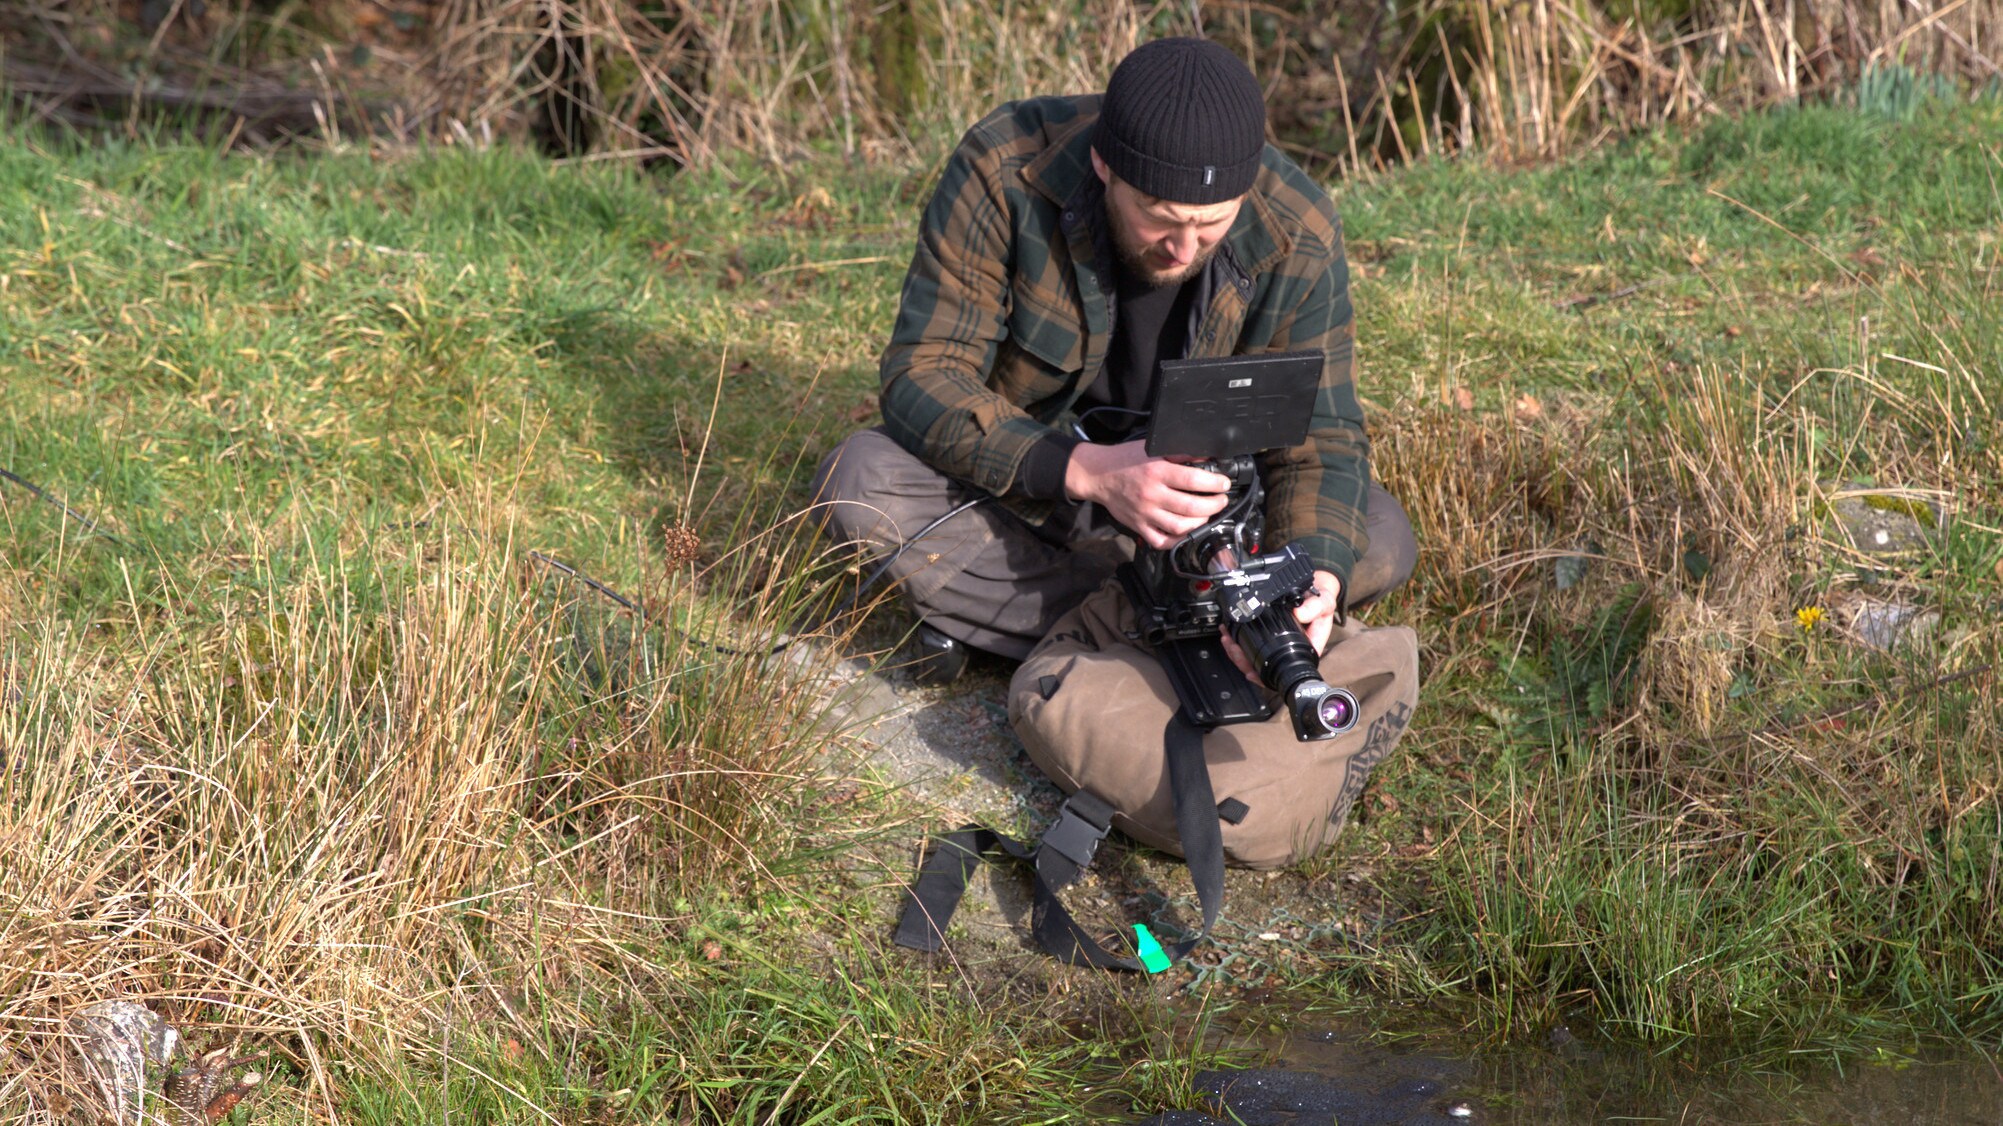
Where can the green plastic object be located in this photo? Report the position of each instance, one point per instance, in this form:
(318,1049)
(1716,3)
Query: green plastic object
(1153,958)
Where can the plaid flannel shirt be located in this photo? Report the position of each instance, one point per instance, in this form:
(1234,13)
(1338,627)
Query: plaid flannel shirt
(1008,309)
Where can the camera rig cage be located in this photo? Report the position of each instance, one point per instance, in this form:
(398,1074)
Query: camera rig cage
(1222,412)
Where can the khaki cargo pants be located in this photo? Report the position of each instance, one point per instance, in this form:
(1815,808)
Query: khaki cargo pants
(992,580)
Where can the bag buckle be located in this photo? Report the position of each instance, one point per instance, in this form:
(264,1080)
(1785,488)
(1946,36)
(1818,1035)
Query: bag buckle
(1082,822)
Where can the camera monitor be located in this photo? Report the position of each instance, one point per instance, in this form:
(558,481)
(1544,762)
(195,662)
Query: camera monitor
(1232,405)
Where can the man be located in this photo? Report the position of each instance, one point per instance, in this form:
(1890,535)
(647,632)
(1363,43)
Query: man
(1072,244)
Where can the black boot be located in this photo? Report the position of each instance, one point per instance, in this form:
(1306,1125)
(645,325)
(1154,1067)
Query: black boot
(938,659)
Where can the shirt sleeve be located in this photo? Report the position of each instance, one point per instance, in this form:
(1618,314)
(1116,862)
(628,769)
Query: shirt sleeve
(951,320)
(1316,491)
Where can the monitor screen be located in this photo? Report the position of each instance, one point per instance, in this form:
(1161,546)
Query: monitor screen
(1232,405)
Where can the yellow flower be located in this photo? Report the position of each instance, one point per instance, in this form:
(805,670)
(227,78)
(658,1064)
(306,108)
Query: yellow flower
(1807,617)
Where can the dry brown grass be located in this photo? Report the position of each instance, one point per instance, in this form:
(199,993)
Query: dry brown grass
(1498,497)
(1548,74)
(347,835)
(691,79)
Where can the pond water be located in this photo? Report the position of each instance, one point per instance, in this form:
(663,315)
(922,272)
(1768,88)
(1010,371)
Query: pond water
(1323,1071)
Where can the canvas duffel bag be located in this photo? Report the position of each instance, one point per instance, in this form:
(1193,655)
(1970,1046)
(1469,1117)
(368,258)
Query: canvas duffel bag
(1091,702)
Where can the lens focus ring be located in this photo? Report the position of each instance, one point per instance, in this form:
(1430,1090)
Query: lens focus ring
(1337,710)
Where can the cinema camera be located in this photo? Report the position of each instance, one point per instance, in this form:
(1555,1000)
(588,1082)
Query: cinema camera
(1223,412)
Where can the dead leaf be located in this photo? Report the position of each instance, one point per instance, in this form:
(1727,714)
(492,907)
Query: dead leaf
(1464,398)
(812,209)
(712,949)
(1528,408)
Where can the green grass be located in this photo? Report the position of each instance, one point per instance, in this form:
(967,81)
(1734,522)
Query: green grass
(327,401)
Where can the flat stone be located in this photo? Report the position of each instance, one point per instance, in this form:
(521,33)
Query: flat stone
(1886,523)
(1887,625)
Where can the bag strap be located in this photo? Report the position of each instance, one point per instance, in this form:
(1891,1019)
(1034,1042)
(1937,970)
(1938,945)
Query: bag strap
(1063,854)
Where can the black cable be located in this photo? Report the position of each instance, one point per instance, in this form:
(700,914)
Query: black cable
(566,569)
(843,607)
(45,495)
(848,603)
(587,580)
(1133,435)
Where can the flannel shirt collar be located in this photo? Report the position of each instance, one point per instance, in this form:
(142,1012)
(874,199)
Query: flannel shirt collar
(1063,174)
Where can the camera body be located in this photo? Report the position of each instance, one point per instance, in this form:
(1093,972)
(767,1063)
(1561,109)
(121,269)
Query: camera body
(1219,577)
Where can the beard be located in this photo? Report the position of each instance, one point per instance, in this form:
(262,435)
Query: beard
(1133,256)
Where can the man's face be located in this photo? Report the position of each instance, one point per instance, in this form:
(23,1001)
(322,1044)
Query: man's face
(1163,243)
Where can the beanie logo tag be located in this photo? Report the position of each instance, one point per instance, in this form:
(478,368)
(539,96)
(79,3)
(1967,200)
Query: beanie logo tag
(1209,174)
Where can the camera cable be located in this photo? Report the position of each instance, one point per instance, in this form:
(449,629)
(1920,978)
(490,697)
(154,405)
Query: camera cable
(544,559)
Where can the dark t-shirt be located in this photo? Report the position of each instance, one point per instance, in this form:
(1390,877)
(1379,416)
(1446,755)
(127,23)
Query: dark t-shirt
(1152,325)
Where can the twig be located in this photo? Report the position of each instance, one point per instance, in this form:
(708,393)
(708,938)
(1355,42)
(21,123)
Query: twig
(1588,300)
(374,249)
(1872,703)
(92,211)
(1885,50)
(829,265)
(1776,225)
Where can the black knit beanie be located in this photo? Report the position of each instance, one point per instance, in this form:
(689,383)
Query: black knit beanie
(1184,120)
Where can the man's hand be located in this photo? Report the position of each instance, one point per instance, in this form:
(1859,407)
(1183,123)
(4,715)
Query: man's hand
(1316,614)
(1161,500)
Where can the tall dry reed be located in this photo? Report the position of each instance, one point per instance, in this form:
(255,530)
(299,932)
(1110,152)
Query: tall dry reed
(1351,85)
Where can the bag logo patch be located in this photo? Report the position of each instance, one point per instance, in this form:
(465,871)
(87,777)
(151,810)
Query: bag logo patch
(1377,743)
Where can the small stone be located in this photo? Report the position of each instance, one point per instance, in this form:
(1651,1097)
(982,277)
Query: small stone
(1886,625)
(117,1039)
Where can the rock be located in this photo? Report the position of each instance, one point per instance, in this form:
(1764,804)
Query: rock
(117,1039)
(1887,625)
(1885,522)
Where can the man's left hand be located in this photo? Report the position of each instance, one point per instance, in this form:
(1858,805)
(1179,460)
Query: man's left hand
(1316,614)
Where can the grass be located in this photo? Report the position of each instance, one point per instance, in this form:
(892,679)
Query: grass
(1673,834)
(316,754)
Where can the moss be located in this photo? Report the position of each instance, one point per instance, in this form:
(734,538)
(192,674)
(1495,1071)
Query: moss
(1917,509)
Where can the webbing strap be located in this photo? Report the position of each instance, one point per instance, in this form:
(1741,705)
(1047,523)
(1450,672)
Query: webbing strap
(1196,820)
(1063,854)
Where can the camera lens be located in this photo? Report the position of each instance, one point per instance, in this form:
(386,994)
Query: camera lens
(1337,710)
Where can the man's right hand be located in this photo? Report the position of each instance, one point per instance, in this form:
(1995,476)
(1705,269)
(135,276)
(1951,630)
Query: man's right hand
(1161,500)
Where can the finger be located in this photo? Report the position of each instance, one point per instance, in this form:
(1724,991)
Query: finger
(1201,506)
(1179,526)
(1190,479)
(1322,600)
(1317,632)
